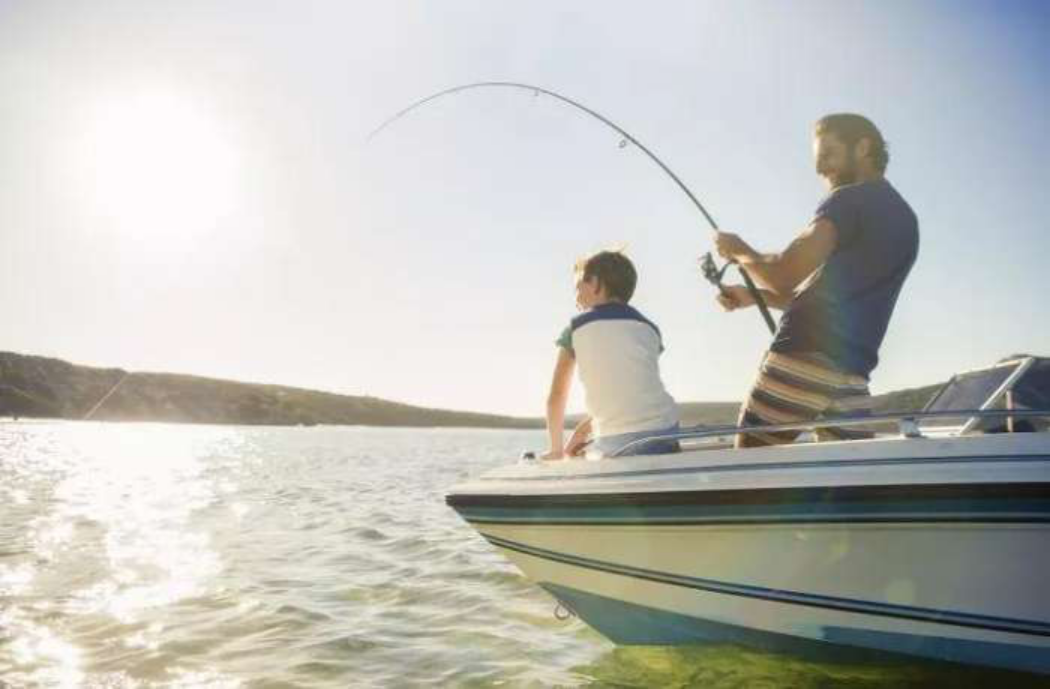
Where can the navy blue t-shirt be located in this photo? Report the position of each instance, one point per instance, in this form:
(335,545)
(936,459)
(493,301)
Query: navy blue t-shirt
(844,308)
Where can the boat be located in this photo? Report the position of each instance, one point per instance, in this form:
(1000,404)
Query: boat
(930,539)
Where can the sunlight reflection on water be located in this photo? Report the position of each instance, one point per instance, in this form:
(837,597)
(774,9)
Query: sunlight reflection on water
(138,488)
(111,534)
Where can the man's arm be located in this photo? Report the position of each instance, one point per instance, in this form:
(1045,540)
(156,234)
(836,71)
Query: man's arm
(556,401)
(782,273)
(735,297)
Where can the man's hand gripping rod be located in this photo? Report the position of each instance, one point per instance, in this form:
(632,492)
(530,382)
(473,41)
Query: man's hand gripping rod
(714,274)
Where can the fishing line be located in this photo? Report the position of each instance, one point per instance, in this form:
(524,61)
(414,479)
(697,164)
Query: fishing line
(98,405)
(627,137)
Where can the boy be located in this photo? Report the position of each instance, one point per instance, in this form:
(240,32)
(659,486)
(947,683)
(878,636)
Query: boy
(617,351)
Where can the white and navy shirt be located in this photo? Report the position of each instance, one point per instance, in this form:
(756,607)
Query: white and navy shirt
(617,352)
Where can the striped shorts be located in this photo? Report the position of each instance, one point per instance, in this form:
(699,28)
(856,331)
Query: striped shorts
(802,387)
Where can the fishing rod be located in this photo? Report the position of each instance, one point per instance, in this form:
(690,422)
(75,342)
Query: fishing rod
(749,283)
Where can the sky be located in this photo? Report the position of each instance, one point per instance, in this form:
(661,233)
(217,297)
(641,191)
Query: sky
(189,187)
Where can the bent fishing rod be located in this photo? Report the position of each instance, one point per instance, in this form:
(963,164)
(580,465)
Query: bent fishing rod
(751,288)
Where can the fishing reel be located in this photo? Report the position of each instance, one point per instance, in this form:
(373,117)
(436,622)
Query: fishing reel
(710,270)
(713,274)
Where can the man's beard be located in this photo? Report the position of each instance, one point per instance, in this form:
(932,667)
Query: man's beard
(848,174)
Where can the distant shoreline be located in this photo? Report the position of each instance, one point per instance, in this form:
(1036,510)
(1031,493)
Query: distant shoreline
(34,387)
(46,420)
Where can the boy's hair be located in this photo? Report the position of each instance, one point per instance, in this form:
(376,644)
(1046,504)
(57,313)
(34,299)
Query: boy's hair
(614,271)
(851,128)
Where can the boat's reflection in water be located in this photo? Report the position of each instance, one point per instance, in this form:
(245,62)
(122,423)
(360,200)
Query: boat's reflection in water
(719,666)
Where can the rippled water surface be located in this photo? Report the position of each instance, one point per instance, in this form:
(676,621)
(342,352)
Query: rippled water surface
(140,555)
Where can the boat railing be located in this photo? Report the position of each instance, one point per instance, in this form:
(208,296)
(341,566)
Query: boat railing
(907,424)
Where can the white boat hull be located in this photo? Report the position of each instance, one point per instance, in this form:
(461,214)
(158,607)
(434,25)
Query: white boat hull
(933,548)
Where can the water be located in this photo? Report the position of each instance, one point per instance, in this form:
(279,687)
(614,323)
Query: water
(142,555)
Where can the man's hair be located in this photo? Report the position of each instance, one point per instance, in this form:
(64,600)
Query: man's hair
(614,271)
(851,128)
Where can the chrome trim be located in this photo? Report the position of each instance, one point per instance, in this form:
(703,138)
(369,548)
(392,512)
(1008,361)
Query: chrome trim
(908,425)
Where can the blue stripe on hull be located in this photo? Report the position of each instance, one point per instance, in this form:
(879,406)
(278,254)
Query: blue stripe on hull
(631,624)
(867,607)
(1027,502)
(968,511)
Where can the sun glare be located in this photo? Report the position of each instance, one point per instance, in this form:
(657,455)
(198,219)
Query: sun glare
(158,166)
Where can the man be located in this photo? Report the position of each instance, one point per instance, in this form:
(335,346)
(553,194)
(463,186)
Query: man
(837,284)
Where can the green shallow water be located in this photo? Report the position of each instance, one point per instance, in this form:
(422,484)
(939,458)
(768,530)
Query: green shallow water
(142,555)
(727,666)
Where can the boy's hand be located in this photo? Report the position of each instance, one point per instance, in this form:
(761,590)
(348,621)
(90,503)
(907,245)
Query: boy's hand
(735,297)
(575,446)
(581,435)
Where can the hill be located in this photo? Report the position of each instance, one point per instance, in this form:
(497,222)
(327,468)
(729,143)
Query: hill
(40,387)
(33,386)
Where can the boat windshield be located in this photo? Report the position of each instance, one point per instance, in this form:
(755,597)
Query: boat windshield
(974,389)
(1021,383)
